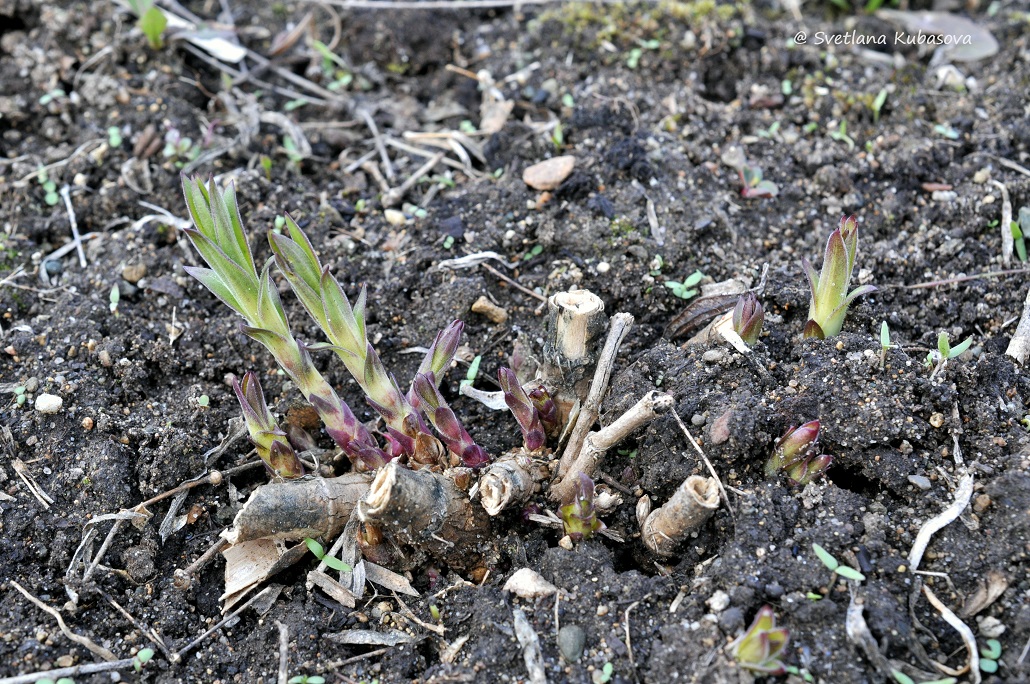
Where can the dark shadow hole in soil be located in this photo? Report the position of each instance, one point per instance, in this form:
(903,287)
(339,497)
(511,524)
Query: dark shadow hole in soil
(9,24)
(853,481)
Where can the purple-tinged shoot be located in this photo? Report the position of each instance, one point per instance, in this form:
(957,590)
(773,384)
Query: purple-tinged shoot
(830,298)
(760,647)
(219,237)
(451,431)
(580,516)
(792,447)
(524,410)
(748,317)
(546,408)
(271,443)
(809,468)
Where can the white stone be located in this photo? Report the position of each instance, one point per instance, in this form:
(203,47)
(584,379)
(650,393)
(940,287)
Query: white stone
(529,584)
(549,174)
(49,403)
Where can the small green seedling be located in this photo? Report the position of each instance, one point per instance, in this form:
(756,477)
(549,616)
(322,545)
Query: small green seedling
(53,95)
(885,343)
(203,401)
(686,289)
(760,647)
(473,371)
(62,680)
(318,551)
(293,153)
(990,653)
(434,611)
(535,251)
(151,20)
(114,298)
(799,672)
(902,678)
(770,132)
(266,165)
(748,318)
(1019,231)
(947,131)
(293,105)
(786,87)
(558,137)
(938,358)
(604,675)
(754,186)
(448,242)
(142,657)
(307,679)
(634,55)
(568,101)
(114,137)
(881,97)
(834,565)
(841,134)
(49,187)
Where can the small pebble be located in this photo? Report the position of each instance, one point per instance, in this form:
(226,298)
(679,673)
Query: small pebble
(603,267)
(549,174)
(991,627)
(602,610)
(981,503)
(719,601)
(566,543)
(697,420)
(713,355)
(49,403)
(394,217)
(65,661)
(920,481)
(134,273)
(31,385)
(87,423)
(484,306)
(937,420)
(571,642)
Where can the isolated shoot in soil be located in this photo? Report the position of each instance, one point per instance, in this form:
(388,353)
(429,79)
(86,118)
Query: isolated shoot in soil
(453,434)
(524,410)
(760,647)
(834,565)
(748,318)
(938,358)
(830,298)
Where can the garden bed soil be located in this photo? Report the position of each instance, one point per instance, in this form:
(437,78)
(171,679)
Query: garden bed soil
(649,99)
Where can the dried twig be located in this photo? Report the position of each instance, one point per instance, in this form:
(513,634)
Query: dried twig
(1007,241)
(66,195)
(378,140)
(972,665)
(23,472)
(73,671)
(708,464)
(395,195)
(963,493)
(77,638)
(284,651)
(530,642)
(1019,345)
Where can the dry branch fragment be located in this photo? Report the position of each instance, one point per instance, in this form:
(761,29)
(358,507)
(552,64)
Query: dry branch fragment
(690,506)
(530,642)
(311,507)
(426,510)
(597,443)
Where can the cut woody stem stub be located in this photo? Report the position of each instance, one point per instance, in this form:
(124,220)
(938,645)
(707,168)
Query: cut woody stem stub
(690,506)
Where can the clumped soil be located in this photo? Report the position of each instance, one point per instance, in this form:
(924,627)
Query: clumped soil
(649,99)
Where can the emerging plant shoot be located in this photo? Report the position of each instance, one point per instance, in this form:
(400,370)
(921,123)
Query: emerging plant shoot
(830,298)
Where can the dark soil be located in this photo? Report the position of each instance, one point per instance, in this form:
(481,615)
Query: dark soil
(142,405)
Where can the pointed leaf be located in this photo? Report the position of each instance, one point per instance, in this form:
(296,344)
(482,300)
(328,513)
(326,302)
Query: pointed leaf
(315,548)
(197,204)
(341,326)
(812,329)
(960,349)
(236,238)
(243,286)
(825,557)
(441,352)
(212,282)
(287,257)
(850,573)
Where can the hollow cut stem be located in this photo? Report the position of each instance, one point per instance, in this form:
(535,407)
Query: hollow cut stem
(690,506)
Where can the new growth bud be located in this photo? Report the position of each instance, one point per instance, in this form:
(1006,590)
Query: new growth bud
(792,453)
(524,410)
(580,515)
(748,317)
(451,431)
(830,299)
(271,443)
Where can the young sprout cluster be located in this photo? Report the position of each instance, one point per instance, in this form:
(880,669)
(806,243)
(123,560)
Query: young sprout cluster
(534,411)
(234,278)
(760,647)
(830,297)
(794,453)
